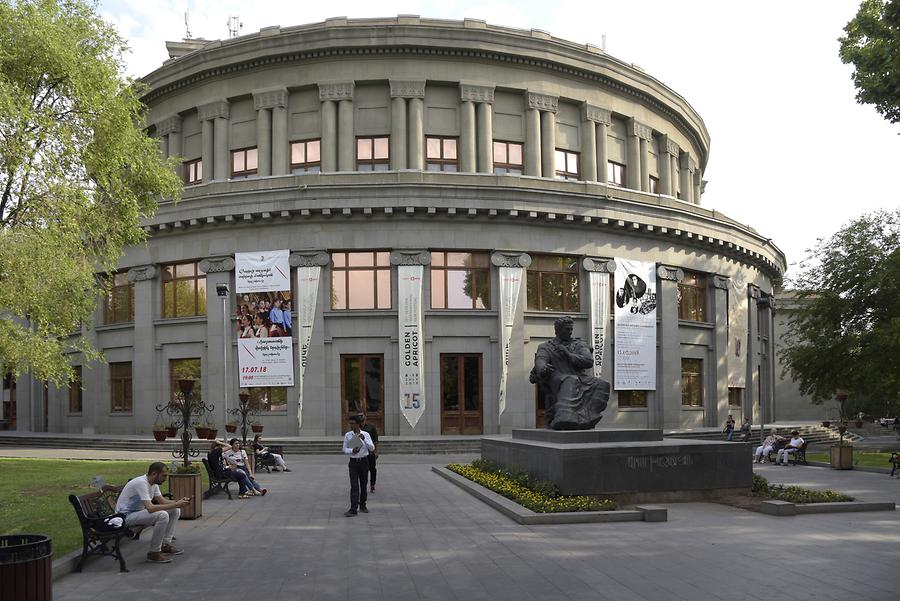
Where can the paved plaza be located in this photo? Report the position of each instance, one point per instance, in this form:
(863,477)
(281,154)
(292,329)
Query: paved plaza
(427,539)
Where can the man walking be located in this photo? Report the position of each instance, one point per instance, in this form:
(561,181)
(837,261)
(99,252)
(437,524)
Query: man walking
(358,444)
(372,431)
(143,505)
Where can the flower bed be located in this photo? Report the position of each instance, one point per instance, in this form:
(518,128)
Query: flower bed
(795,494)
(538,496)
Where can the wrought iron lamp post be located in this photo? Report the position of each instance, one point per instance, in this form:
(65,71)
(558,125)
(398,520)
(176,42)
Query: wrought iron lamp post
(244,410)
(182,412)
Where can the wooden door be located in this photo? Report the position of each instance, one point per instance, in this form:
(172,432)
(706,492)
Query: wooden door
(461,402)
(362,387)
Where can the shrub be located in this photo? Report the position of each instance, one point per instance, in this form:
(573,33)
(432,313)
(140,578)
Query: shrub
(795,494)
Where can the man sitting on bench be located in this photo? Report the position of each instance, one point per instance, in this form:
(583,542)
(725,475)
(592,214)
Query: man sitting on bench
(793,444)
(143,505)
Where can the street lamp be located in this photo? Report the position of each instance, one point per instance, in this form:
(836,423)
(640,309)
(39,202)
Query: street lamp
(222,292)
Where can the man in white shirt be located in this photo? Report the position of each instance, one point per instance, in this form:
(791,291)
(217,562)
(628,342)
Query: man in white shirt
(358,444)
(143,505)
(793,444)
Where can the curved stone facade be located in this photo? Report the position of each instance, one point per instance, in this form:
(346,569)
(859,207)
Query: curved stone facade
(419,138)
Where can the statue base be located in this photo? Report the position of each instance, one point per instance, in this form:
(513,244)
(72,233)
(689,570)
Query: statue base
(628,465)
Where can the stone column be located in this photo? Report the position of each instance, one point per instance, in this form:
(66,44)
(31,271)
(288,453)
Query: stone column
(218,112)
(594,151)
(329,136)
(639,136)
(145,384)
(667,412)
(533,142)
(716,411)
(170,128)
(698,179)
(271,127)
(603,150)
(220,361)
(588,146)
(398,133)
(667,151)
(478,131)
(206,156)
(412,91)
(485,138)
(264,142)
(752,391)
(687,177)
(466,148)
(548,144)
(633,168)
(340,93)
(674,154)
(221,153)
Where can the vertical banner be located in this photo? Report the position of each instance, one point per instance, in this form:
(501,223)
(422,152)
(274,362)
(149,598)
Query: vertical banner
(409,316)
(635,321)
(737,333)
(307,293)
(510,287)
(599,289)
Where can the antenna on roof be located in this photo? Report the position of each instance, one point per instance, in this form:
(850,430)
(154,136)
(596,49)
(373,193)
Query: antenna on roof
(603,43)
(187,27)
(234,26)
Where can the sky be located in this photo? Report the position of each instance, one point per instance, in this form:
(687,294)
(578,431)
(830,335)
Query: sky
(792,154)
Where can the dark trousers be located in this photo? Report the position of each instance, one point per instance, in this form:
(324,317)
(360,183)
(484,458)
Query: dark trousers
(359,476)
(372,470)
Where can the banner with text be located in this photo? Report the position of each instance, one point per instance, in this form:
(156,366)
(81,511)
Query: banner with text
(265,362)
(307,292)
(510,287)
(599,287)
(737,333)
(635,322)
(409,314)
(262,271)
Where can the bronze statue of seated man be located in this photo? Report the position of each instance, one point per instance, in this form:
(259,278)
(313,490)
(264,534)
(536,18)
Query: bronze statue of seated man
(574,400)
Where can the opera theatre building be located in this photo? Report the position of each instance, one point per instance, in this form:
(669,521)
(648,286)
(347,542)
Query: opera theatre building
(390,214)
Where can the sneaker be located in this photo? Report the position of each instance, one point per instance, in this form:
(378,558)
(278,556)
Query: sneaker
(284,469)
(364,509)
(349,513)
(170,550)
(263,492)
(158,557)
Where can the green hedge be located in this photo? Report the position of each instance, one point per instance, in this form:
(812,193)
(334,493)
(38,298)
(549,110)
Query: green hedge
(795,494)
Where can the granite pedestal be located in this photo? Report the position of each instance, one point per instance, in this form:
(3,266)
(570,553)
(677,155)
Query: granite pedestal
(629,465)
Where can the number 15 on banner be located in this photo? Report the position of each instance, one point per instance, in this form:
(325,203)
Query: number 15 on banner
(411,400)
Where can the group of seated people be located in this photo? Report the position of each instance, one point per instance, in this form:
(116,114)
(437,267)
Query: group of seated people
(228,461)
(783,447)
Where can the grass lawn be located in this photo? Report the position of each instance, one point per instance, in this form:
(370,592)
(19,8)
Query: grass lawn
(34,495)
(860,459)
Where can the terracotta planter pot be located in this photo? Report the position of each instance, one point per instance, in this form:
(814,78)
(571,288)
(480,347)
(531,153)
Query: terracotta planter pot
(231,429)
(171,431)
(826,424)
(211,434)
(257,428)
(202,432)
(159,435)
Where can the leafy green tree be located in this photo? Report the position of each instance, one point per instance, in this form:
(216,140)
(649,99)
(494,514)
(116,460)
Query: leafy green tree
(845,335)
(77,174)
(872,46)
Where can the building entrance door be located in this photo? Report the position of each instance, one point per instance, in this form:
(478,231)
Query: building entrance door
(461,403)
(362,388)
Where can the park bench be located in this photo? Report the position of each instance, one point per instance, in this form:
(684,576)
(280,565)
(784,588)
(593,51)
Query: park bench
(216,484)
(895,463)
(798,457)
(266,461)
(100,538)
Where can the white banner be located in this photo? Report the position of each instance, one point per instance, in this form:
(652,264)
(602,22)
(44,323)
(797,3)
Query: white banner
(737,333)
(265,362)
(307,292)
(510,287)
(599,287)
(409,317)
(262,271)
(635,312)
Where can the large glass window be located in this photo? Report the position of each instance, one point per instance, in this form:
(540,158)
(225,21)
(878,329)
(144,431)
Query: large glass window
(243,163)
(118,304)
(553,284)
(654,185)
(306,156)
(184,369)
(440,154)
(632,398)
(507,158)
(120,389)
(373,154)
(615,173)
(692,297)
(735,397)
(268,398)
(460,280)
(75,391)
(361,280)
(692,382)
(184,290)
(567,165)
(193,171)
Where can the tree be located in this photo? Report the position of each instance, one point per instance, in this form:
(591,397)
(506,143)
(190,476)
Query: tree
(845,335)
(872,45)
(78,173)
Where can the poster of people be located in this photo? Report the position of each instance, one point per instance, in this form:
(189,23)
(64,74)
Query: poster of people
(635,320)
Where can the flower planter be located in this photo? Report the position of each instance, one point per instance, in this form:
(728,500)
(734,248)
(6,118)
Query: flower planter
(842,457)
(171,431)
(257,428)
(188,485)
(826,424)
(202,432)
(159,435)
(211,434)
(230,428)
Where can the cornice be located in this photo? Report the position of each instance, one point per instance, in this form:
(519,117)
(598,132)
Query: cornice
(407,88)
(670,273)
(645,132)
(510,258)
(471,92)
(720,282)
(542,102)
(142,273)
(336,90)
(217,264)
(270,98)
(598,265)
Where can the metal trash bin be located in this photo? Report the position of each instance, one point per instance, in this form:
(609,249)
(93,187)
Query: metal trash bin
(26,567)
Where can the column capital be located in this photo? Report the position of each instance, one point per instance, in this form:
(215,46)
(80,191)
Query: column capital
(720,282)
(510,258)
(406,256)
(214,109)
(142,273)
(589,112)
(336,90)
(542,102)
(270,98)
(598,265)
(169,125)
(645,132)
(672,148)
(407,88)
(309,258)
(755,292)
(216,264)
(668,272)
(687,162)
(474,92)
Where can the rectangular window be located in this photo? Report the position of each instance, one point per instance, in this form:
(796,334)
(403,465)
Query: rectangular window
(567,165)
(373,154)
(654,185)
(735,396)
(184,290)
(508,158)
(184,369)
(75,391)
(361,280)
(552,284)
(632,398)
(691,382)
(269,398)
(118,304)
(243,163)
(460,280)
(615,174)
(692,297)
(440,154)
(306,156)
(120,391)
(193,171)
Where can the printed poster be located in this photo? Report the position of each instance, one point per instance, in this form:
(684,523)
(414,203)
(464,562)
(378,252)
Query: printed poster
(262,271)
(635,325)
(265,362)
(409,316)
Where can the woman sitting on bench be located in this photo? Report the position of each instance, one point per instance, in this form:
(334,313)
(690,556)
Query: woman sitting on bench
(236,458)
(217,465)
(262,450)
(761,455)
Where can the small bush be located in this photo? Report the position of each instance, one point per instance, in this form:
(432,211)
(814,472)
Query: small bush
(546,488)
(795,494)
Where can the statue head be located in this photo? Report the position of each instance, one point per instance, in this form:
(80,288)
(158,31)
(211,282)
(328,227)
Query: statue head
(563,327)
